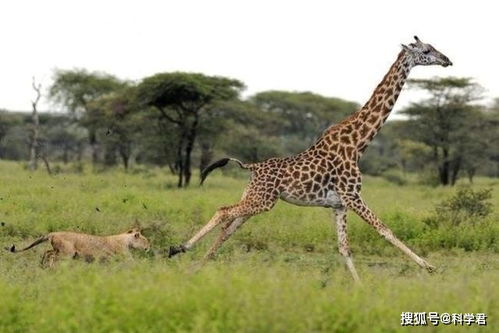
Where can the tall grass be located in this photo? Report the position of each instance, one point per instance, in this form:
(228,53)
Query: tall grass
(280,272)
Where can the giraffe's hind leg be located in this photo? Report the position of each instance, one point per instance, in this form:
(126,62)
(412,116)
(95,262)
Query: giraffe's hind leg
(344,248)
(227,230)
(249,206)
(355,202)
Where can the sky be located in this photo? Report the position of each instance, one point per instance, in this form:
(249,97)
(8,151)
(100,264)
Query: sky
(333,48)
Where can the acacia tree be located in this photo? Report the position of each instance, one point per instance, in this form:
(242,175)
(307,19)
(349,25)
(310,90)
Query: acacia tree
(77,89)
(239,128)
(492,116)
(447,122)
(245,132)
(182,99)
(302,114)
(213,124)
(64,138)
(115,115)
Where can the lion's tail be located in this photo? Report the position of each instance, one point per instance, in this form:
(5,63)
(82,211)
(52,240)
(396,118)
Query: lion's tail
(35,243)
(221,163)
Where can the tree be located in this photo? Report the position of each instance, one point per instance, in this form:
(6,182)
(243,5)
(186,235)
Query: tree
(182,99)
(64,138)
(76,89)
(475,149)
(492,138)
(10,122)
(303,115)
(413,153)
(35,130)
(242,130)
(446,122)
(157,140)
(36,150)
(116,115)
(4,124)
(383,153)
(214,124)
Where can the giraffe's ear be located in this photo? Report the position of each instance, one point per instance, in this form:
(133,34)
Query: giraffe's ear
(405,47)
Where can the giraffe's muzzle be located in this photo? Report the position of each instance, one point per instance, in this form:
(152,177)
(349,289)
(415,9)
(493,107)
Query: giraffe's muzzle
(447,62)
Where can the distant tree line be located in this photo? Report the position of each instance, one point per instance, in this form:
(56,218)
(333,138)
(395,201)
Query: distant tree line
(183,121)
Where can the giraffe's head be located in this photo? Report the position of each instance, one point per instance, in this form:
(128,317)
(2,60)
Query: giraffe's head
(425,54)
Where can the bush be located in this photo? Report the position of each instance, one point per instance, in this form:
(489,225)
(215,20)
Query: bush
(453,223)
(466,206)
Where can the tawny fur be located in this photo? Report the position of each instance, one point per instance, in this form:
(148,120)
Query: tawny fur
(89,247)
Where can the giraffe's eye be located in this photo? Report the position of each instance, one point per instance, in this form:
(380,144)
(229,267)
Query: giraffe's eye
(426,51)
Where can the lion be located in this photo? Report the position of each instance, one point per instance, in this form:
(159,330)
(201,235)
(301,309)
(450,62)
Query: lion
(90,247)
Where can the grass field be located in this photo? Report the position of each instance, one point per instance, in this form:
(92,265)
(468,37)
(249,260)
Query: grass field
(281,272)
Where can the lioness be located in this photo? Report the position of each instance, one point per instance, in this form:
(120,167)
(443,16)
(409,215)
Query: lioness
(89,247)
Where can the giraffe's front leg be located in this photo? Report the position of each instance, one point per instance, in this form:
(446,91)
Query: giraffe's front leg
(341,228)
(355,202)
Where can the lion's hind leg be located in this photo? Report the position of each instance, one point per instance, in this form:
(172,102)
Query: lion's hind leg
(49,258)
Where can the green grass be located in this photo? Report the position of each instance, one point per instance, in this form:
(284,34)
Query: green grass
(280,272)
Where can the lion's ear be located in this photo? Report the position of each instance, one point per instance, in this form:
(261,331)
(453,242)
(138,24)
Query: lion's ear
(130,231)
(137,235)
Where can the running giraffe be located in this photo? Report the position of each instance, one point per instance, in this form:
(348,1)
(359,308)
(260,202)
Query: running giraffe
(327,173)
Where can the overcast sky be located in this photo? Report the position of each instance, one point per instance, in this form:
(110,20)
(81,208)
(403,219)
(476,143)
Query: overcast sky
(334,48)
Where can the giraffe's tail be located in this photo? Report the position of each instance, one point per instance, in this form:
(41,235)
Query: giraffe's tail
(219,164)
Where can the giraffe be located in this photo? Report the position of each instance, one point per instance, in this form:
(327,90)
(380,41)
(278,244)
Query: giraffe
(327,173)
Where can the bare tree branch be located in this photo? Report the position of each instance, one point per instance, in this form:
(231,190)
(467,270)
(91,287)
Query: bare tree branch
(38,90)
(35,130)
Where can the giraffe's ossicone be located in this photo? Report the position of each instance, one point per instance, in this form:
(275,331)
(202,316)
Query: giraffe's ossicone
(327,173)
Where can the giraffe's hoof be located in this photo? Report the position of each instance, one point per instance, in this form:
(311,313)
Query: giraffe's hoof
(431,269)
(175,250)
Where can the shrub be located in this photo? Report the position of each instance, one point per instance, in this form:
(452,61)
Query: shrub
(465,206)
(453,222)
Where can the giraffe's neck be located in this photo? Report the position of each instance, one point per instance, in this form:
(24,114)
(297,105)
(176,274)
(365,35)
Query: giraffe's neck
(369,119)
